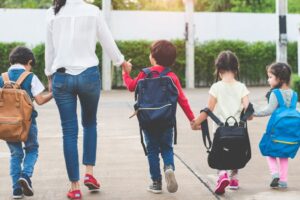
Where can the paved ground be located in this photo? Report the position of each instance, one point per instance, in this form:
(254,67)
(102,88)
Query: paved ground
(122,167)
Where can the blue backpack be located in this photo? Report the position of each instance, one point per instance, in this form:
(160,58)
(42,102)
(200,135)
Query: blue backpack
(156,102)
(282,137)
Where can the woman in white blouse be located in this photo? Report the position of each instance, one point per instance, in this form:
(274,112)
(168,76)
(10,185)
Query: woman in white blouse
(73,29)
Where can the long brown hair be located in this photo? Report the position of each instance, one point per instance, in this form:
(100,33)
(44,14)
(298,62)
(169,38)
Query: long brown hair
(227,61)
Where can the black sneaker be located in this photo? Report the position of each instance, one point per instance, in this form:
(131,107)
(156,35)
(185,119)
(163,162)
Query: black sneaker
(274,183)
(155,187)
(18,193)
(172,185)
(25,182)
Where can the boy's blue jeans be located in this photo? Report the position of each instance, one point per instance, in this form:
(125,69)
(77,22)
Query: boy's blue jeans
(66,88)
(17,159)
(159,142)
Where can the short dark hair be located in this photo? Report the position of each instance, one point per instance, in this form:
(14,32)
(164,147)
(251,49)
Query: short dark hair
(164,53)
(21,55)
(282,71)
(227,61)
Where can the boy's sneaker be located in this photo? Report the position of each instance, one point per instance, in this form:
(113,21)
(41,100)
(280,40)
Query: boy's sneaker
(172,185)
(282,184)
(222,183)
(25,182)
(234,184)
(18,193)
(91,183)
(155,187)
(75,194)
(274,182)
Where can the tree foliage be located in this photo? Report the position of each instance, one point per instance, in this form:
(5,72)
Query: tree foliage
(264,6)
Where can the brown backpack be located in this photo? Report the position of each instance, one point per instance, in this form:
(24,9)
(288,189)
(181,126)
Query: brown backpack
(15,110)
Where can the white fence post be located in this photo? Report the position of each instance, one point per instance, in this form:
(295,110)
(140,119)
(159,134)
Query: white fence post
(299,51)
(106,62)
(281,43)
(189,44)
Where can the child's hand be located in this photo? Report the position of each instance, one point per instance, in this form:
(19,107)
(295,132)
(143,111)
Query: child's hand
(127,66)
(251,117)
(194,126)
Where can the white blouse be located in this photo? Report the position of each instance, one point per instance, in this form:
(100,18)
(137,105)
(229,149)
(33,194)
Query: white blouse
(72,35)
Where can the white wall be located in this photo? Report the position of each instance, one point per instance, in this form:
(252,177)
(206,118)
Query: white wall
(23,25)
(28,26)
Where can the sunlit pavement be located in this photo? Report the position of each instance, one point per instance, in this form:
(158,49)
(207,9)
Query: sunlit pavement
(122,167)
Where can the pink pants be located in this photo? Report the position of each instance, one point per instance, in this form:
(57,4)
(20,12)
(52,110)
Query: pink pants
(281,169)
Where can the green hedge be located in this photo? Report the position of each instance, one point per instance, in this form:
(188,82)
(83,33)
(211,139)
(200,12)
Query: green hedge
(254,57)
(296,84)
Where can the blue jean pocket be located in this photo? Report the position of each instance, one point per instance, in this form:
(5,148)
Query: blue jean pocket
(59,81)
(91,81)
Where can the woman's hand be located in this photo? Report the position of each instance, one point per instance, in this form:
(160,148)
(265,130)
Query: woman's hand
(127,66)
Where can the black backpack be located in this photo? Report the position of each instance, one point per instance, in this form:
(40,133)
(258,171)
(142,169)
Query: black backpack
(156,103)
(231,145)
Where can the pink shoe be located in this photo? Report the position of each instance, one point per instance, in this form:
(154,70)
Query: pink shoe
(222,183)
(234,184)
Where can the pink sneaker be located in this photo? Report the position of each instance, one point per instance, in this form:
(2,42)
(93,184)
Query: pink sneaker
(222,183)
(234,184)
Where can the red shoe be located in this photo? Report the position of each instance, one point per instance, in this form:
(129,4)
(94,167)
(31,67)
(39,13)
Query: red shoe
(75,194)
(91,182)
(222,183)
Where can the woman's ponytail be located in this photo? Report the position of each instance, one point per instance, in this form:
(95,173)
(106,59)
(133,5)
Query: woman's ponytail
(58,4)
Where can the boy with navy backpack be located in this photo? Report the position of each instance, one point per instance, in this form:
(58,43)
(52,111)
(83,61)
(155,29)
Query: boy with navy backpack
(157,91)
(24,156)
(282,137)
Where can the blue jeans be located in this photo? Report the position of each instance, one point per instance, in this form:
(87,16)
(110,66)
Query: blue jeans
(159,142)
(66,88)
(17,159)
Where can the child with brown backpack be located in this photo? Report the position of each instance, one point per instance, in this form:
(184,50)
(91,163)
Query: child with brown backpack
(19,87)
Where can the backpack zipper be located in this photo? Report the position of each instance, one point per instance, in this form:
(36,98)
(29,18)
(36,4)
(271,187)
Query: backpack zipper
(284,142)
(155,108)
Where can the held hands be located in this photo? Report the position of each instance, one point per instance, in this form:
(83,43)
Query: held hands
(194,125)
(127,66)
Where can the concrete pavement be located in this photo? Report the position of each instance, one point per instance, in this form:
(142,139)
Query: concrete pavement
(122,167)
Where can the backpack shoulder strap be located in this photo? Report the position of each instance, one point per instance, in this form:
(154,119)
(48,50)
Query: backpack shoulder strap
(247,113)
(204,127)
(22,77)
(147,71)
(212,116)
(5,78)
(205,135)
(279,97)
(165,72)
(294,100)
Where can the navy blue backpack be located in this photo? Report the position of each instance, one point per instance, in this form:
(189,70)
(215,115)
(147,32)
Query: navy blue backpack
(282,137)
(156,103)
